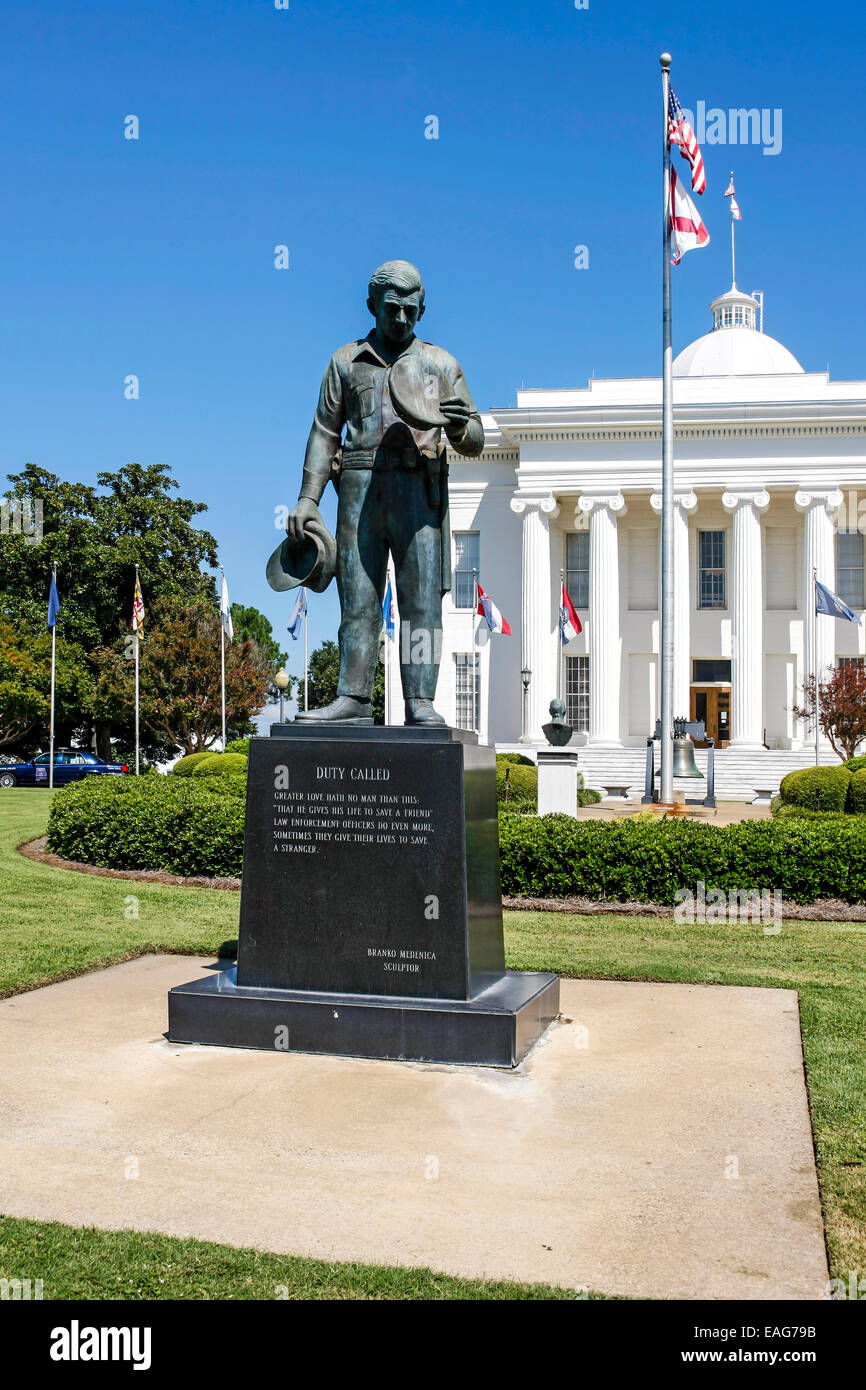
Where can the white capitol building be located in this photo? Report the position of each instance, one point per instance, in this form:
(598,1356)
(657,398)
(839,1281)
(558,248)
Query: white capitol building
(770,473)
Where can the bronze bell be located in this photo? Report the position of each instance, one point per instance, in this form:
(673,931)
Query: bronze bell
(684,758)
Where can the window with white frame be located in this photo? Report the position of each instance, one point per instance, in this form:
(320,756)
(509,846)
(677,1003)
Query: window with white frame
(711,569)
(849,568)
(577,567)
(577,693)
(467,684)
(467,549)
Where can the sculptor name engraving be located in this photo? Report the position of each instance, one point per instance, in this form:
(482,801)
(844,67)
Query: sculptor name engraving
(400,958)
(356,774)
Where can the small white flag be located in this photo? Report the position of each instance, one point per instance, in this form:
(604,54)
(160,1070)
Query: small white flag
(225,610)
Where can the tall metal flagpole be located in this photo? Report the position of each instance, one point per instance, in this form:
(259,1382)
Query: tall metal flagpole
(53,662)
(306,651)
(666,787)
(560,661)
(815,656)
(475,701)
(223,654)
(135,595)
(733,257)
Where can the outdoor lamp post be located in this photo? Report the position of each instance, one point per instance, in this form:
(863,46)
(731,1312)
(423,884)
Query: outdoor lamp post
(526,677)
(281,680)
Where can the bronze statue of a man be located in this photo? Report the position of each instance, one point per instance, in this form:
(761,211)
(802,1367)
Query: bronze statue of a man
(393,394)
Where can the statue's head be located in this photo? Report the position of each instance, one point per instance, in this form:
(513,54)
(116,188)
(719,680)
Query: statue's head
(557,711)
(396,300)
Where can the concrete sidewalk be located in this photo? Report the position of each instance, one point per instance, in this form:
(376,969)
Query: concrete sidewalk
(656,1144)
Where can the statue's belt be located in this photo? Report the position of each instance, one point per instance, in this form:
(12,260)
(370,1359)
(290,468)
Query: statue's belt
(387,458)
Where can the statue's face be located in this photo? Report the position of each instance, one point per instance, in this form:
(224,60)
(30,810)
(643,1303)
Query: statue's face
(397,314)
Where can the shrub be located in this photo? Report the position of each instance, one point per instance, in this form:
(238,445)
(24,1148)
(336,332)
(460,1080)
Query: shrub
(856,803)
(522,785)
(185,766)
(816,788)
(560,856)
(239,745)
(184,825)
(221,765)
(516,759)
(588,796)
(855,764)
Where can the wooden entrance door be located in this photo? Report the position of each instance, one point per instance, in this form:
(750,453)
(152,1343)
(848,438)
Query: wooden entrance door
(712,704)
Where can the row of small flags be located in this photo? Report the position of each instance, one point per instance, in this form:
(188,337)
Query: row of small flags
(137,623)
(570,625)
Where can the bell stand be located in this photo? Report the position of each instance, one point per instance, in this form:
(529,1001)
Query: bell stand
(695,729)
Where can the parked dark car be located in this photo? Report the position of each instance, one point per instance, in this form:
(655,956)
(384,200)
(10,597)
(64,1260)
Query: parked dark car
(70,765)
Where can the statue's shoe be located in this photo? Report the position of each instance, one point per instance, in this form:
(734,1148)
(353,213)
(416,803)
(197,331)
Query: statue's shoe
(422,712)
(344,710)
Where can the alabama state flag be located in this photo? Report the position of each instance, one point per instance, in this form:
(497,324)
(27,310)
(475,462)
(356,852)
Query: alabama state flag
(687,228)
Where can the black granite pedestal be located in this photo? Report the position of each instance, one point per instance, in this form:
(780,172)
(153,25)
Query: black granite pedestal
(371,919)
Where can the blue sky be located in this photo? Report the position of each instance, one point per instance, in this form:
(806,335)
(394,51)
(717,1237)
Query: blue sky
(306,127)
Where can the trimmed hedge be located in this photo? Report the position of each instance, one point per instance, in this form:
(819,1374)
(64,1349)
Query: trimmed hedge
(184,766)
(239,745)
(196,826)
(559,856)
(516,759)
(856,803)
(185,825)
(221,765)
(816,788)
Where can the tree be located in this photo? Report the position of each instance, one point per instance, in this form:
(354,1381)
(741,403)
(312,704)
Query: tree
(251,625)
(181,698)
(841,707)
(25,688)
(324,674)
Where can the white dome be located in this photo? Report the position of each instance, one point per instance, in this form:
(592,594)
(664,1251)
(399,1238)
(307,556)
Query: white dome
(735,352)
(735,347)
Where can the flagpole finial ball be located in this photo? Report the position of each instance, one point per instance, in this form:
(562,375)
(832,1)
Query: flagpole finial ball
(665,60)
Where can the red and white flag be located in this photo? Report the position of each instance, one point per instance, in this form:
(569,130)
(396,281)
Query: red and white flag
(570,625)
(680,133)
(735,207)
(687,228)
(491,614)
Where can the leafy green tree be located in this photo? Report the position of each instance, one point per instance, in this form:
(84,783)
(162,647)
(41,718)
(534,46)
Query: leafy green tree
(180,679)
(252,626)
(325,673)
(25,689)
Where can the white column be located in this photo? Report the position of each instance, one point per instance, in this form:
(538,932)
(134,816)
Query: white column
(536,616)
(746,604)
(605,637)
(684,504)
(818,506)
(819,559)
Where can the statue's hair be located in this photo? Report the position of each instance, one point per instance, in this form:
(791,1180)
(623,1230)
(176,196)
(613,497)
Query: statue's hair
(395,275)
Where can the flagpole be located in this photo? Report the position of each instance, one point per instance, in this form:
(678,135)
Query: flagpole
(475,702)
(559,657)
(666,780)
(53,664)
(306,649)
(223,656)
(137,625)
(815,655)
(733,258)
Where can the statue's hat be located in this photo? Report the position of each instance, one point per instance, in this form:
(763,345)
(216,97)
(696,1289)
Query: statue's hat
(417,384)
(312,561)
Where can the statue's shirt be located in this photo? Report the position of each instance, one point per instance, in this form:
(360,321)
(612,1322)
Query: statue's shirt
(355,396)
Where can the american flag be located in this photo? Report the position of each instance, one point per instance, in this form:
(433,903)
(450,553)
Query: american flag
(680,133)
(735,207)
(137,608)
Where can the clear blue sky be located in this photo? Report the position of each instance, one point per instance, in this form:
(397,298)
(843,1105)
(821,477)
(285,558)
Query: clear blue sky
(306,127)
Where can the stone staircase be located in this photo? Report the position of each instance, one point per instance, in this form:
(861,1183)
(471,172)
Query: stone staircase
(739,776)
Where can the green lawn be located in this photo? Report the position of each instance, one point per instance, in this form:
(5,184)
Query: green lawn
(55,923)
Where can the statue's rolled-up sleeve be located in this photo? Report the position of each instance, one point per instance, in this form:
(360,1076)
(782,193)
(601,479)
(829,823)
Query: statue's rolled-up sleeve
(469,438)
(324,439)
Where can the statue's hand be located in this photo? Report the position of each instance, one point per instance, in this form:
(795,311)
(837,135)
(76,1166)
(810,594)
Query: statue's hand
(456,412)
(304,511)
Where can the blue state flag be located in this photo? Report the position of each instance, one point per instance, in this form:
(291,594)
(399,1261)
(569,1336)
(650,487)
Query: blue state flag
(53,604)
(828,602)
(388,612)
(297,618)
